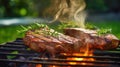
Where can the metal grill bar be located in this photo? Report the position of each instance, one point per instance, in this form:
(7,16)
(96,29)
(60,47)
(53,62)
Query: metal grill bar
(19,54)
(102,53)
(16,46)
(95,57)
(63,56)
(24,50)
(64,60)
(13,49)
(60,64)
(16,43)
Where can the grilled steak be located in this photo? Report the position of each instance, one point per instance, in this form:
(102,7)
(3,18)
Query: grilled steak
(90,38)
(52,44)
(74,40)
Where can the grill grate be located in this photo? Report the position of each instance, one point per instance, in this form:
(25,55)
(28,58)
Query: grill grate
(28,57)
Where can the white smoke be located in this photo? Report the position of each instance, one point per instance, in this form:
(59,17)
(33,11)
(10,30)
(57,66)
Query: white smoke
(80,19)
(68,10)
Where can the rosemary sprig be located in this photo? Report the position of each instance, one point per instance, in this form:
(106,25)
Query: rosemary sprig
(104,31)
(39,28)
(31,27)
(90,26)
(71,24)
(23,29)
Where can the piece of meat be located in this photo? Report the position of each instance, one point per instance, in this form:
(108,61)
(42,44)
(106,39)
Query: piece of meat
(90,38)
(75,40)
(51,44)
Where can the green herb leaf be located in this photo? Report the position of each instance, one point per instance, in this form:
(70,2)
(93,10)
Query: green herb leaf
(90,26)
(104,31)
(39,29)
(11,57)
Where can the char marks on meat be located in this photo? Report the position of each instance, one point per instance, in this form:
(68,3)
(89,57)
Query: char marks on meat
(90,37)
(51,44)
(73,41)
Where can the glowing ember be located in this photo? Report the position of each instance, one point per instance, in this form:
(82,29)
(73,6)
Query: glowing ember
(86,52)
(80,59)
(38,65)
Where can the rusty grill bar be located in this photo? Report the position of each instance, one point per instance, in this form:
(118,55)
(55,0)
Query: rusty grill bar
(29,57)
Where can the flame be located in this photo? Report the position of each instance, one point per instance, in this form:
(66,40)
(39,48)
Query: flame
(87,52)
(81,59)
(38,65)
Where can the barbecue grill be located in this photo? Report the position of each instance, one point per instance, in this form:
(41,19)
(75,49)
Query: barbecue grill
(28,58)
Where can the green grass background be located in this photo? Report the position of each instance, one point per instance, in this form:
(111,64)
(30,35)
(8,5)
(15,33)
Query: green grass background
(114,25)
(9,33)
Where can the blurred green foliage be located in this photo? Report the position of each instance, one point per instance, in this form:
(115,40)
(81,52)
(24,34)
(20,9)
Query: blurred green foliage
(96,5)
(16,8)
(9,33)
(103,5)
(35,8)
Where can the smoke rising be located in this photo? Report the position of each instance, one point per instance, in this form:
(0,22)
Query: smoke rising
(67,10)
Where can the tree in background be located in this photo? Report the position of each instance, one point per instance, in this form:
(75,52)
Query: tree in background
(96,5)
(101,6)
(35,8)
(113,5)
(16,8)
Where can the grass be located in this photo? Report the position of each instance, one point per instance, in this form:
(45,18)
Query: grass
(110,24)
(9,33)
